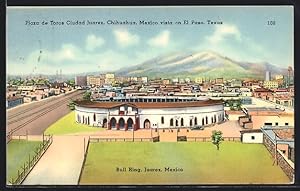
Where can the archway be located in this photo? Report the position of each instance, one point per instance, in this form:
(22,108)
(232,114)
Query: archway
(147,124)
(121,123)
(171,122)
(130,123)
(78,118)
(104,123)
(113,122)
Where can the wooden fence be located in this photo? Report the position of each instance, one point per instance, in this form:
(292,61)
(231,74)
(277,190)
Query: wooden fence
(8,137)
(207,139)
(100,139)
(86,148)
(32,160)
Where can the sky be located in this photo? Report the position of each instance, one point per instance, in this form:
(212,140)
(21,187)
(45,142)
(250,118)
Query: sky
(244,35)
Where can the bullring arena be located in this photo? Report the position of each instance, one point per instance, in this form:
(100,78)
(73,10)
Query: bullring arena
(148,113)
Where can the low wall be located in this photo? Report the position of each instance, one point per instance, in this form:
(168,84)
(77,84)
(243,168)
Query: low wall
(286,165)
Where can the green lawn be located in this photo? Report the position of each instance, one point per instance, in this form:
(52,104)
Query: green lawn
(67,125)
(201,163)
(17,154)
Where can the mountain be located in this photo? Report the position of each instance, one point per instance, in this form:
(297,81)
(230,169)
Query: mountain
(200,64)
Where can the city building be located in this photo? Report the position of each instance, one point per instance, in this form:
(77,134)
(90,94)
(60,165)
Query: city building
(255,118)
(251,136)
(14,101)
(157,113)
(270,84)
(236,83)
(93,81)
(199,80)
(219,81)
(290,77)
(26,88)
(268,76)
(81,81)
(109,78)
(262,93)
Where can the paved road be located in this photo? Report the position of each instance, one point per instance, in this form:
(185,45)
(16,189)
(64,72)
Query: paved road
(36,117)
(257,102)
(61,163)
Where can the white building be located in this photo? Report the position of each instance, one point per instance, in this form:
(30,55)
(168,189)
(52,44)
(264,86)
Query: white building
(252,136)
(152,113)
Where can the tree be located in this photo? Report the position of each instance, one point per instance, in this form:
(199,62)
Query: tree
(217,138)
(239,104)
(71,82)
(87,95)
(71,105)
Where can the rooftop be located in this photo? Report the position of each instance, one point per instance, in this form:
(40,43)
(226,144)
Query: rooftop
(280,134)
(107,105)
(14,98)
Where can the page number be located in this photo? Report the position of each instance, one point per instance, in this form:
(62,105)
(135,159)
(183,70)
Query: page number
(272,23)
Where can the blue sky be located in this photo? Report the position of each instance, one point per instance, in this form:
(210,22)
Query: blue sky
(243,36)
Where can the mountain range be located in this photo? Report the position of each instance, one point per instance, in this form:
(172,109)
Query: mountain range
(205,64)
(200,64)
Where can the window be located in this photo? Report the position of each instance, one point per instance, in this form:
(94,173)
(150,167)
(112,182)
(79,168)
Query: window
(252,137)
(283,151)
(94,117)
(286,123)
(206,120)
(191,122)
(181,122)
(268,123)
(176,123)
(196,121)
(171,122)
(162,120)
(202,121)
(276,124)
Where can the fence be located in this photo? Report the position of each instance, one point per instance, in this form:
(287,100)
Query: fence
(206,139)
(28,166)
(8,137)
(201,139)
(97,139)
(86,148)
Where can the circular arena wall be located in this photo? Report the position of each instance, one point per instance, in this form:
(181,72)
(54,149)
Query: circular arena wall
(137,116)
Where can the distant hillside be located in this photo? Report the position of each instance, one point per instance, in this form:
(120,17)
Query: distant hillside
(201,64)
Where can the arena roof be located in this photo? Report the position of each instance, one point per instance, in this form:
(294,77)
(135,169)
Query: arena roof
(149,104)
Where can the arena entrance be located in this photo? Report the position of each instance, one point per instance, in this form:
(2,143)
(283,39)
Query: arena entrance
(130,123)
(104,123)
(113,122)
(147,124)
(121,123)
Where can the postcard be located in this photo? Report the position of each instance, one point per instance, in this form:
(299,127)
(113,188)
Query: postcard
(150,95)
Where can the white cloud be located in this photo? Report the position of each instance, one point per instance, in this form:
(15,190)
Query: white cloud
(223,31)
(93,42)
(161,40)
(124,38)
(73,59)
